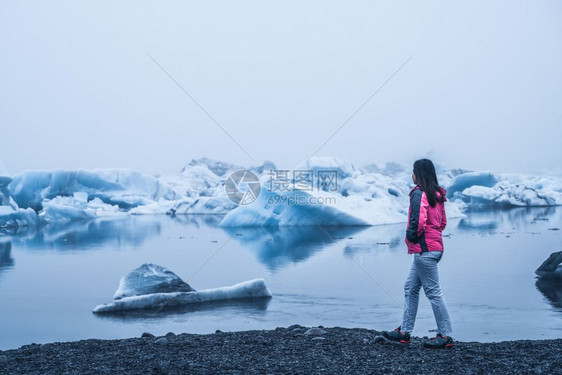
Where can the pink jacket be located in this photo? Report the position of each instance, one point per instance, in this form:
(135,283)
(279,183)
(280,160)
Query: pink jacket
(425,223)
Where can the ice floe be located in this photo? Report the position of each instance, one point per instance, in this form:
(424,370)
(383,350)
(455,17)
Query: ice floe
(155,287)
(369,195)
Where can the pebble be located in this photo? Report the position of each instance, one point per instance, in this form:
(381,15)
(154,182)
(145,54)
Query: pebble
(161,341)
(170,334)
(297,330)
(318,338)
(292,327)
(146,334)
(218,331)
(381,340)
(315,331)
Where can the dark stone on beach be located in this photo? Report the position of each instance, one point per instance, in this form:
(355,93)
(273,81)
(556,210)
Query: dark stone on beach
(243,353)
(218,331)
(315,332)
(380,340)
(292,327)
(161,341)
(318,338)
(146,334)
(170,334)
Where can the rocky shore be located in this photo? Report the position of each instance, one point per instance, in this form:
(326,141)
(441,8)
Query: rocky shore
(285,350)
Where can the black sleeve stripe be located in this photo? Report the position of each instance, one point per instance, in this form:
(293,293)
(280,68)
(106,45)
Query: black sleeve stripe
(415,206)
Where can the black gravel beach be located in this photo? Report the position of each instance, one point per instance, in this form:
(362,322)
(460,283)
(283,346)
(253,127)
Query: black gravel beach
(290,350)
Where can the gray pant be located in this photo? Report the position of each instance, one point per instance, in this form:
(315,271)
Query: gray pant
(424,273)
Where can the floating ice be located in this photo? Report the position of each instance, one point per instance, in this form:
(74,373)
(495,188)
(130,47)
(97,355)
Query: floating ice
(361,196)
(357,198)
(11,216)
(18,218)
(77,207)
(467,180)
(511,191)
(123,187)
(551,269)
(148,279)
(151,286)
(5,198)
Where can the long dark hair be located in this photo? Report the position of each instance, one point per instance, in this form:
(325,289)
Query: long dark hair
(426,179)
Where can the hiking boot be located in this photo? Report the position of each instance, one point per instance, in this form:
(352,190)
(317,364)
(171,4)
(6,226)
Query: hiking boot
(396,335)
(439,342)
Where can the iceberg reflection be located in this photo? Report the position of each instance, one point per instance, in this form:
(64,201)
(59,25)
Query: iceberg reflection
(6,260)
(279,247)
(552,290)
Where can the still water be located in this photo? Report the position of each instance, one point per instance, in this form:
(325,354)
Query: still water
(50,279)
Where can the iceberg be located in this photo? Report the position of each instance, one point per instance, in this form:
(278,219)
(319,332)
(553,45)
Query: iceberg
(270,211)
(357,197)
(5,197)
(469,179)
(14,219)
(11,216)
(200,185)
(77,207)
(371,195)
(148,279)
(487,190)
(551,268)
(155,287)
(122,187)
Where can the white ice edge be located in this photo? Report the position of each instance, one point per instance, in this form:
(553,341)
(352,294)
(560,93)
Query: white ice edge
(248,289)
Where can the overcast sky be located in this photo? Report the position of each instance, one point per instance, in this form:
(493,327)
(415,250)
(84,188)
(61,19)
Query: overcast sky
(78,88)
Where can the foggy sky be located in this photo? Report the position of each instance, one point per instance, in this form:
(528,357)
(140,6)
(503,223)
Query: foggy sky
(79,90)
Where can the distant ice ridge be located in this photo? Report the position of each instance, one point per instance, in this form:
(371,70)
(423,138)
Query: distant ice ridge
(370,195)
(152,286)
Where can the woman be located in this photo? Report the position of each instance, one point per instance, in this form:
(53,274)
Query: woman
(426,221)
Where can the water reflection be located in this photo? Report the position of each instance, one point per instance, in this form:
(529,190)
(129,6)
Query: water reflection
(6,260)
(232,306)
(514,219)
(278,247)
(129,231)
(380,237)
(552,290)
(198,221)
